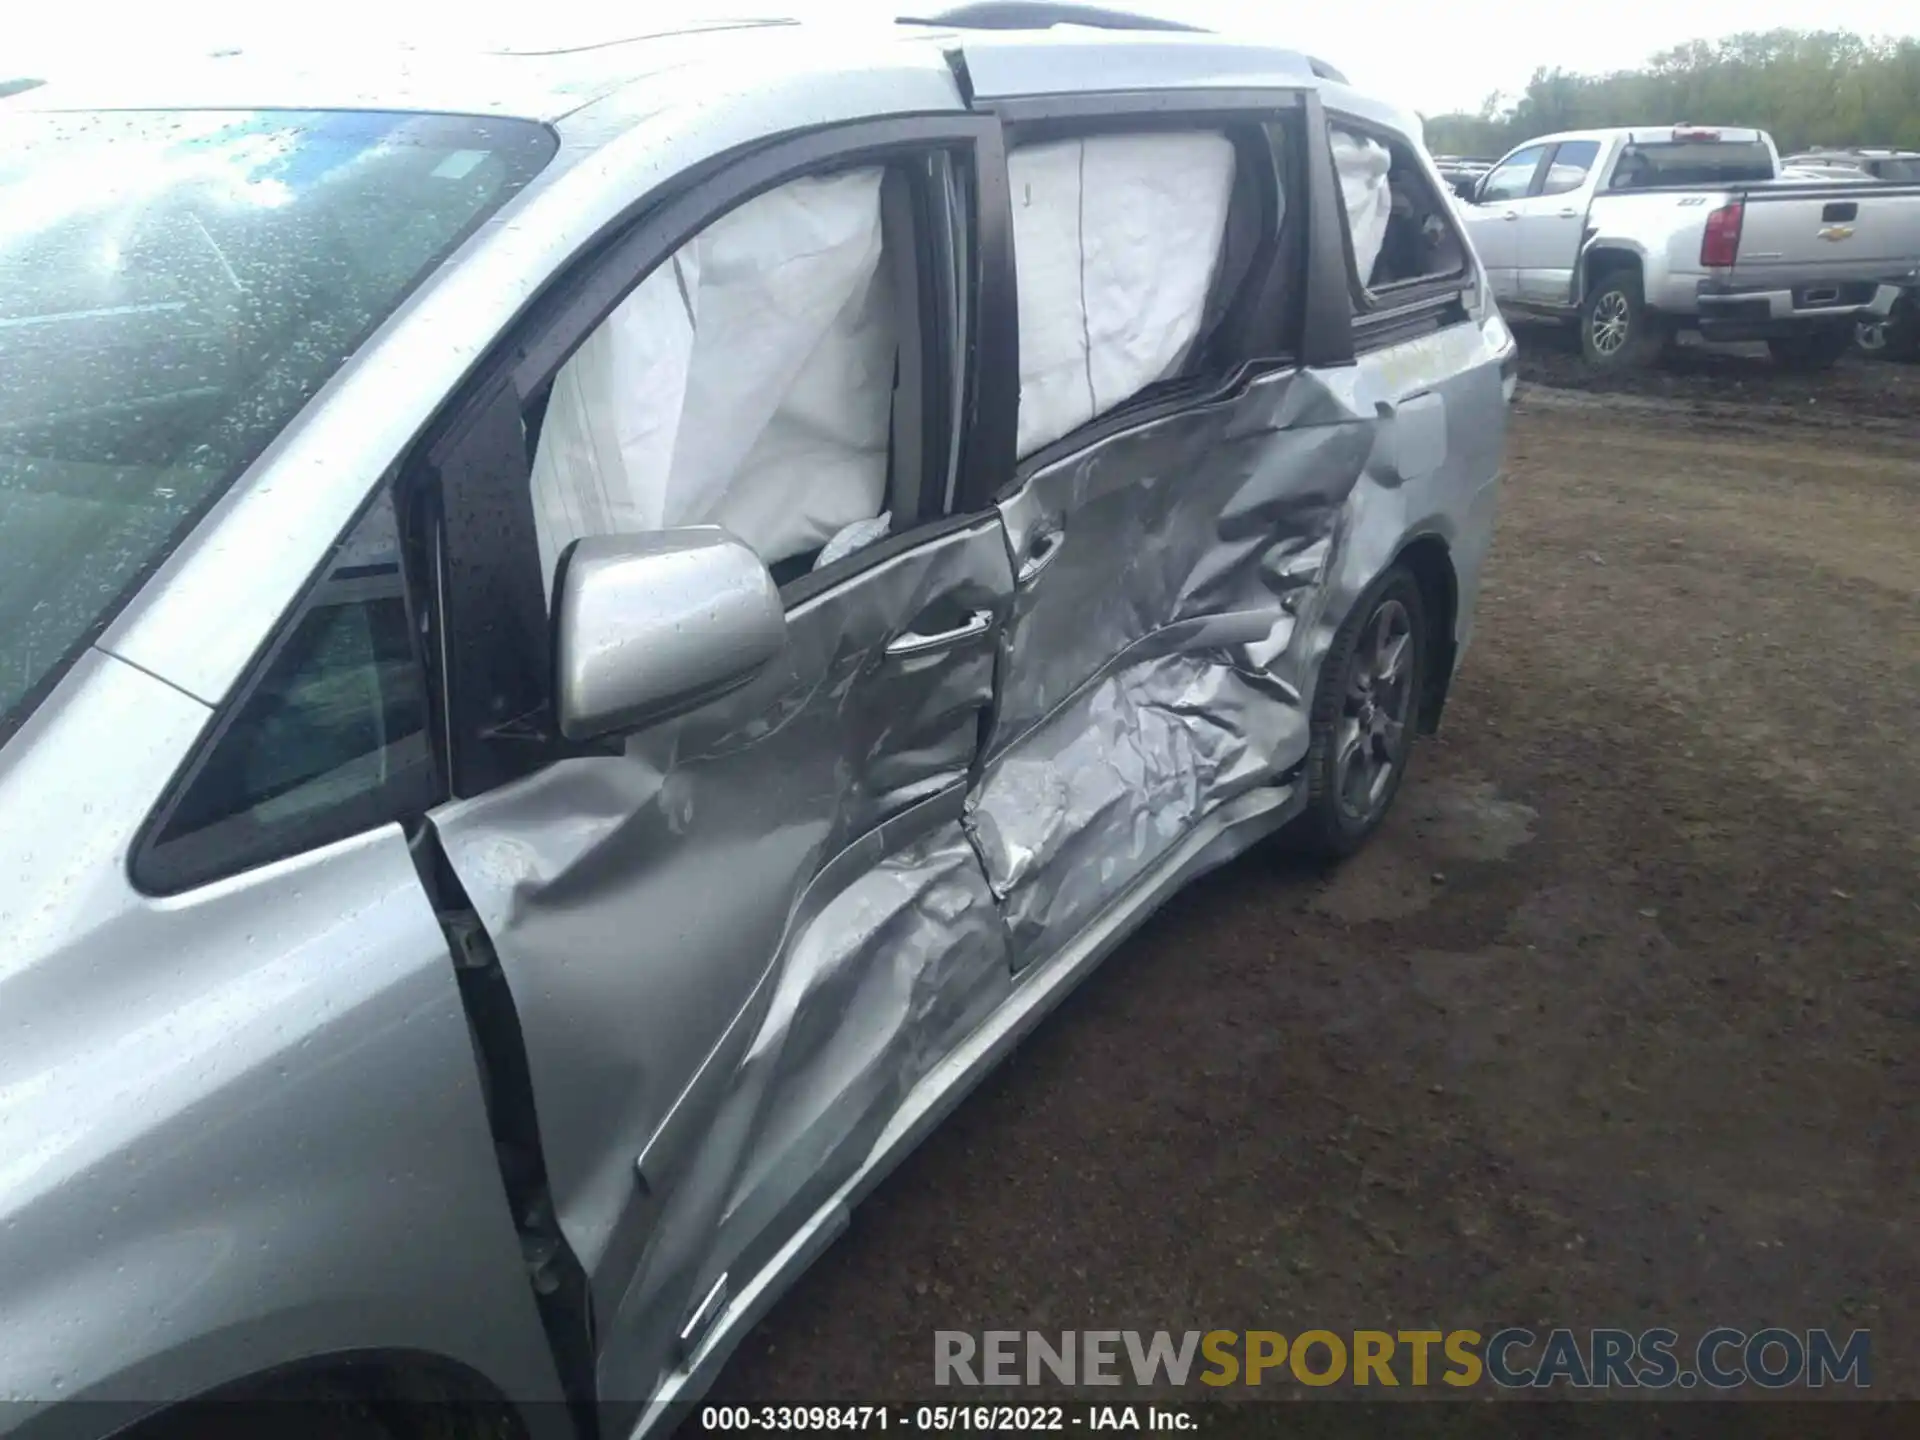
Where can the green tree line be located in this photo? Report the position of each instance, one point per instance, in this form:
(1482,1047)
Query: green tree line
(1806,87)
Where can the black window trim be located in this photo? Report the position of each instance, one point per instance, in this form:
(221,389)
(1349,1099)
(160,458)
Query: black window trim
(1404,308)
(504,595)
(160,870)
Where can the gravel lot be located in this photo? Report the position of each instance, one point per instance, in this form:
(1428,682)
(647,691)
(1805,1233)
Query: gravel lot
(1614,1023)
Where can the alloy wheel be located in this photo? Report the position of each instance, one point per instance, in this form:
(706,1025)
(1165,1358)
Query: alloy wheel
(1374,718)
(1612,318)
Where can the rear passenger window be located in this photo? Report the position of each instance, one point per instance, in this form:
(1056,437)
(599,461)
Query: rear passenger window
(1570,165)
(1119,243)
(1400,229)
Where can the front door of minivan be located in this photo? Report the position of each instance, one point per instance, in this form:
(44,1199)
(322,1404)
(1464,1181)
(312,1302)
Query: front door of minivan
(735,939)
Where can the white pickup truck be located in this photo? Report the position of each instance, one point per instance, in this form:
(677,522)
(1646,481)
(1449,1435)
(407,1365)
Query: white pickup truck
(1642,232)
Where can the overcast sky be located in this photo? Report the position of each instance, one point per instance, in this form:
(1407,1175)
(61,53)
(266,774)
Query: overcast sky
(1432,55)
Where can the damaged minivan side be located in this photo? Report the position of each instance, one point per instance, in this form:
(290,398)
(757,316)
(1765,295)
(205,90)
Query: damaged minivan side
(780,580)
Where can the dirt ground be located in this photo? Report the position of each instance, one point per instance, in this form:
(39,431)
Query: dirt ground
(1613,1024)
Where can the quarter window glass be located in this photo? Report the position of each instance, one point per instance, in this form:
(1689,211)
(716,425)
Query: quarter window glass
(1571,162)
(1513,176)
(331,740)
(1399,225)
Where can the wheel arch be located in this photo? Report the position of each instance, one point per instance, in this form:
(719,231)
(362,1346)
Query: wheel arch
(1430,560)
(1602,256)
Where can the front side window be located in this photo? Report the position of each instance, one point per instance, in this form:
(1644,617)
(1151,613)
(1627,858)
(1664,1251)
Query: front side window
(174,287)
(748,382)
(1513,176)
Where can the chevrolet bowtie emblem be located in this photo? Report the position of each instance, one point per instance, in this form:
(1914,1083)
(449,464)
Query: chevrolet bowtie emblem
(1836,232)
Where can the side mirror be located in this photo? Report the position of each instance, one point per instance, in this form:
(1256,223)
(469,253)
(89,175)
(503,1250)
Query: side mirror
(650,626)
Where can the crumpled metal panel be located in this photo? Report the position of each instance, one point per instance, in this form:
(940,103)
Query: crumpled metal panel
(1068,819)
(890,962)
(1163,662)
(640,902)
(894,971)
(1222,510)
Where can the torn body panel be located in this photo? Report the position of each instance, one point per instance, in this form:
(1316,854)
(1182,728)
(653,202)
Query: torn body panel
(643,904)
(1164,663)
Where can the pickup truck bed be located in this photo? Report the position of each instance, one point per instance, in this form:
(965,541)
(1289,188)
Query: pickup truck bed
(1810,250)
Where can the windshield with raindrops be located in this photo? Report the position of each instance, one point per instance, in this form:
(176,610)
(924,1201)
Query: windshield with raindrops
(174,288)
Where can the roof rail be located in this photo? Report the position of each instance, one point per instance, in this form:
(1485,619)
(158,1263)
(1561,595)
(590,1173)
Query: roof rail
(1040,14)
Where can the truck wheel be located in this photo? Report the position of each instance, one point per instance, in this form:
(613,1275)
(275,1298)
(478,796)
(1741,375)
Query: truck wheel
(1895,338)
(1812,350)
(1365,712)
(1616,330)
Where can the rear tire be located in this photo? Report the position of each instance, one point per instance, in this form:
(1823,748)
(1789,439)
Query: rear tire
(1814,350)
(1366,709)
(1895,338)
(1617,331)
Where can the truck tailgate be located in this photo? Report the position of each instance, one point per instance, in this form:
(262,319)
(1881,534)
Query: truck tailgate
(1818,234)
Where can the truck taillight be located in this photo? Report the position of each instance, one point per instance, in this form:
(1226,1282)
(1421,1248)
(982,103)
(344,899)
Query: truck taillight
(1720,241)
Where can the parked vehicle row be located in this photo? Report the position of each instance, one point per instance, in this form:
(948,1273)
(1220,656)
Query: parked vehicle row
(1640,233)
(589,636)
(1898,166)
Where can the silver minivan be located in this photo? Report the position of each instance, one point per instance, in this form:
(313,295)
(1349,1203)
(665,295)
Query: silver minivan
(588,636)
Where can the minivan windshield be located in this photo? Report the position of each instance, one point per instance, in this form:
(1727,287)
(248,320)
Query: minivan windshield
(174,287)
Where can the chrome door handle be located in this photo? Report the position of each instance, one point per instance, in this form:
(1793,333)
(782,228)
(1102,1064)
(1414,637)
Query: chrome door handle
(1511,215)
(912,643)
(1569,214)
(1040,554)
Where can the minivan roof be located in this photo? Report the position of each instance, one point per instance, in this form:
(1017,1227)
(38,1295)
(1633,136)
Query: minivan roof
(545,71)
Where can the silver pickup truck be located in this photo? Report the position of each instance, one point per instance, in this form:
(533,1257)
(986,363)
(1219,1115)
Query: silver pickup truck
(1640,233)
